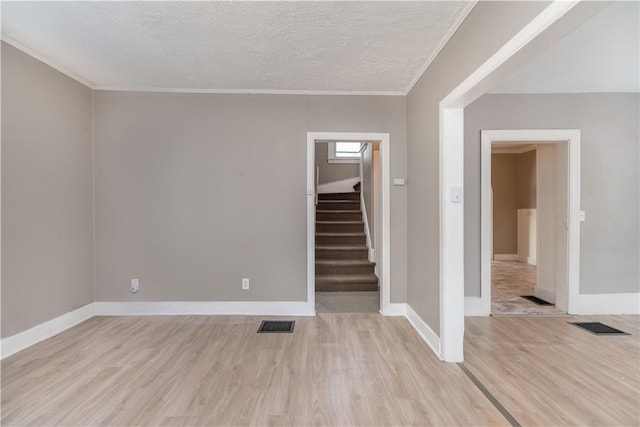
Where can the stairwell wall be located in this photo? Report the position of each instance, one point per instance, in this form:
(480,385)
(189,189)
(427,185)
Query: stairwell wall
(195,191)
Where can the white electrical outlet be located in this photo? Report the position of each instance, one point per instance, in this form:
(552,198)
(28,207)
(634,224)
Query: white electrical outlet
(245,284)
(135,285)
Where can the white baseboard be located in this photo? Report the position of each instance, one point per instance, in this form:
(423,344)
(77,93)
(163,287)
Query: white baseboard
(254,308)
(395,309)
(424,331)
(43,331)
(506,257)
(476,306)
(628,303)
(548,295)
(531,260)
(343,186)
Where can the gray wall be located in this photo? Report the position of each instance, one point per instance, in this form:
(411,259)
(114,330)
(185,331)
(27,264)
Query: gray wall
(609,254)
(331,172)
(47,243)
(527,180)
(195,191)
(486,29)
(513,179)
(504,178)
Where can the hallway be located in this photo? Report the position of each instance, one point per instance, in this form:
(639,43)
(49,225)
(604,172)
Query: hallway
(509,281)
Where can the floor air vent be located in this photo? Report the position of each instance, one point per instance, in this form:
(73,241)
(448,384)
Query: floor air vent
(598,328)
(276,326)
(535,300)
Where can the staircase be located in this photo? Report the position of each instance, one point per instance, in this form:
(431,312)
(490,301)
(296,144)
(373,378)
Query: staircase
(342,256)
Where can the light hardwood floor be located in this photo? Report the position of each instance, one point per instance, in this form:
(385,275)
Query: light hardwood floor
(335,369)
(547,372)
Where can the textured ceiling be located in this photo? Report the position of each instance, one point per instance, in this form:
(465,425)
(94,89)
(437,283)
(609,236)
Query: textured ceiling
(602,55)
(263,46)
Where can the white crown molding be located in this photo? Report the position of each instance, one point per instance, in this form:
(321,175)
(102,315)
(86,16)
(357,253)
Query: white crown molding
(246,91)
(46,61)
(43,331)
(454,27)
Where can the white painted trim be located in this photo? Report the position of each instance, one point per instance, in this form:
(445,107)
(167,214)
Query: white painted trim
(452,175)
(474,306)
(396,309)
(427,334)
(626,303)
(246,91)
(46,61)
(384,140)
(506,257)
(43,331)
(527,136)
(342,186)
(250,308)
(468,7)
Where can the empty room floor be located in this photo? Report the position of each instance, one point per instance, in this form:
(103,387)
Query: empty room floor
(334,369)
(509,281)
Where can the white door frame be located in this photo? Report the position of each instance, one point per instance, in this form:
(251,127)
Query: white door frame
(384,140)
(451,166)
(526,137)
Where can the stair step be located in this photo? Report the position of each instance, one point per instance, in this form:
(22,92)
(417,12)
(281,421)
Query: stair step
(341,239)
(339,196)
(332,205)
(339,215)
(339,226)
(342,252)
(346,282)
(344,266)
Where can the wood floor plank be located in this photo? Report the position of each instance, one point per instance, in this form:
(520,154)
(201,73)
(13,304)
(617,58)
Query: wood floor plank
(336,370)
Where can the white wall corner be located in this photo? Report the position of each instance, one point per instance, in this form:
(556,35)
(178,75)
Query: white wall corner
(427,334)
(43,331)
(475,306)
(626,303)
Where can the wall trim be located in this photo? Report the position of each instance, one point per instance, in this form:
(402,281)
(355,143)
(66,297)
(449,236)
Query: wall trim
(513,150)
(427,334)
(43,331)
(246,91)
(625,303)
(474,306)
(365,220)
(185,308)
(506,257)
(44,60)
(396,309)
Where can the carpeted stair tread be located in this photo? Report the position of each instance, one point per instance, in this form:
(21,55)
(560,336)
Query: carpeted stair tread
(340,222)
(337,233)
(342,247)
(345,262)
(346,282)
(339,196)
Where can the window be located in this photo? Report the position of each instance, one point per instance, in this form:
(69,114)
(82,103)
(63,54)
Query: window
(344,152)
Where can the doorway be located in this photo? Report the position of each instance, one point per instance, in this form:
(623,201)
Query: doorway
(346,266)
(519,192)
(381,248)
(557,154)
